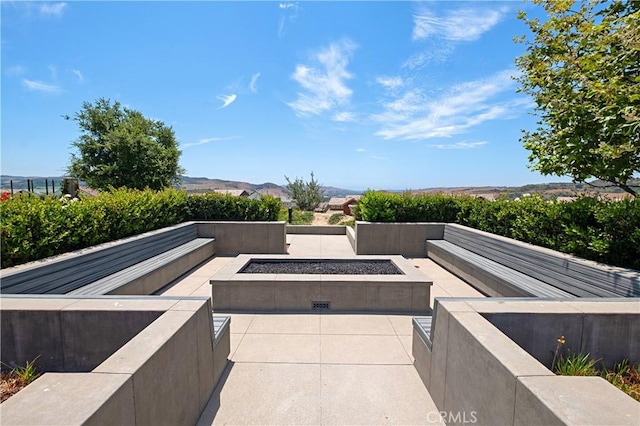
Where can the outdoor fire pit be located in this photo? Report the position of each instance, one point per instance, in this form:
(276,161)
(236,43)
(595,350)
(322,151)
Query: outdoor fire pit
(268,283)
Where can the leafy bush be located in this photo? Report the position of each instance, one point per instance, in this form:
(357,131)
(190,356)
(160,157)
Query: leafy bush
(299,217)
(335,218)
(32,228)
(599,230)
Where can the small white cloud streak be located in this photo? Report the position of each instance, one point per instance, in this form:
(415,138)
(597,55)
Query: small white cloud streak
(437,53)
(414,116)
(344,117)
(15,71)
(361,150)
(78,74)
(289,13)
(464,24)
(206,141)
(253,86)
(324,85)
(460,145)
(286,5)
(227,100)
(54,72)
(39,86)
(52,9)
(390,82)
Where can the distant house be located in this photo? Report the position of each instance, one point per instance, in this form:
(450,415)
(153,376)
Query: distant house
(342,203)
(234,192)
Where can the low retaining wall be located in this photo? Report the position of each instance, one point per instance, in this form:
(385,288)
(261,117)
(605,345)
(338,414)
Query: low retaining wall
(233,238)
(316,229)
(475,369)
(168,368)
(406,239)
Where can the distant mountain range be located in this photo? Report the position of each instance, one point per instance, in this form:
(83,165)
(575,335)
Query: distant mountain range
(202,184)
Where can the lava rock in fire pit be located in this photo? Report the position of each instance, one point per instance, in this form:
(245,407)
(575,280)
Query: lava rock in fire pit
(327,267)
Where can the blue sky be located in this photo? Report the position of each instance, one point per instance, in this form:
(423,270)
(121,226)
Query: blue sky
(382,95)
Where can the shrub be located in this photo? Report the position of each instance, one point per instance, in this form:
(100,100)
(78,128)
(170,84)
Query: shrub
(603,231)
(32,228)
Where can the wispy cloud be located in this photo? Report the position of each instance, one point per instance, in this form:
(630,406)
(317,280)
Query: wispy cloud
(52,9)
(15,71)
(227,100)
(390,82)
(253,86)
(415,116)
(324,84)
(462,24)
(361,150)
(460,145)
(78,74)
(436,53)
(289,14)
(54,72)
(344,117)
(206,141)
(39,86)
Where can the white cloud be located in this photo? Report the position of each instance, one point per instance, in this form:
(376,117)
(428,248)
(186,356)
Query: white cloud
(344,117)
(52,9)
(361,150)
(253,86)
(205,141)
(15,70)
(415,116)
(464,24)
(289,14)
(460,145)
(54,72)
(78,74)
(324,86)
(437,53)
(40,86)
(390,82)
(227,100)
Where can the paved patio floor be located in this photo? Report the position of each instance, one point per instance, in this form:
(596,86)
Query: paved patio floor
(321,369)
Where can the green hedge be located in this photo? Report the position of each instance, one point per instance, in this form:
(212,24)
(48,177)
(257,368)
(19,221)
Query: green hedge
(33,228)
(600,230)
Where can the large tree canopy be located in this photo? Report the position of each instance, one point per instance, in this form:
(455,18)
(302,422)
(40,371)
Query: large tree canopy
(119,147)
(583,71)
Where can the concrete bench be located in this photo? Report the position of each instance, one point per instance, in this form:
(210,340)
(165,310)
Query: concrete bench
(490,358)
(113,359)
(136,265)
(500,266)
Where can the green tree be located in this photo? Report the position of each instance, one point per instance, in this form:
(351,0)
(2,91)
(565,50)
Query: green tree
(308,195)
(583,71)
(119,147)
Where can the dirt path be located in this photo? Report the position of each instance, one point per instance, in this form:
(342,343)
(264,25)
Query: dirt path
(321,218)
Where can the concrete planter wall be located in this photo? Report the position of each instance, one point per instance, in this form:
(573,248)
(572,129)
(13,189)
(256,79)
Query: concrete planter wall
(233,238)
(474,370)
(406,239)
(168,368)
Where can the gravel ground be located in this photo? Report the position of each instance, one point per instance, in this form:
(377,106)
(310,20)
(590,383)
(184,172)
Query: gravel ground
(347,267)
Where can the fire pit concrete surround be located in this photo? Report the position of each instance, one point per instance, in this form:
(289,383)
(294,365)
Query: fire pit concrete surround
(233,290)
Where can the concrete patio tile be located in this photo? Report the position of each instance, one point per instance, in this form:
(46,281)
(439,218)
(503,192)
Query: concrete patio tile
(281,348)
(203,290)
(235,340)
(239,322)
(401,324)
(356,324)
(186,286)
(285,324)
(351,349)
(375,395)
(457,288)
(266,394)
(407,344)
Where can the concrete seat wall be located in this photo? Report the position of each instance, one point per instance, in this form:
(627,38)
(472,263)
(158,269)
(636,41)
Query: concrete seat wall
(475,372)
(165,374)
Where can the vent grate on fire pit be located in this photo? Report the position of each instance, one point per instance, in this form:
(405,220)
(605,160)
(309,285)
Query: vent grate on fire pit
(321,306)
